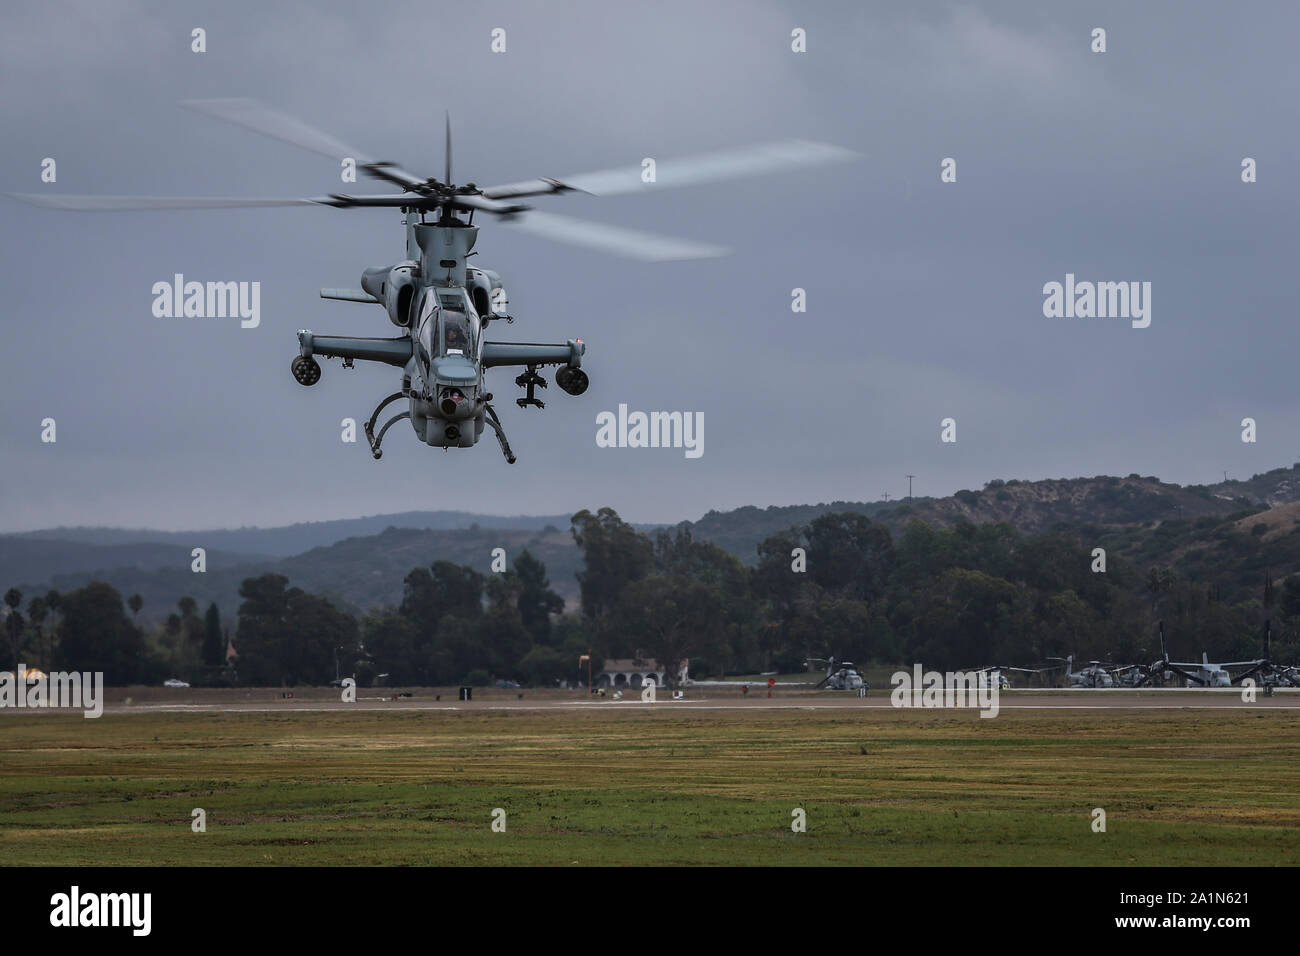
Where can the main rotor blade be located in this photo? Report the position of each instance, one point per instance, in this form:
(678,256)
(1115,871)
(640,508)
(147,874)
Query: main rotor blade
(110,203)
(447,179)
(613,239)
(755,160)
(260,118)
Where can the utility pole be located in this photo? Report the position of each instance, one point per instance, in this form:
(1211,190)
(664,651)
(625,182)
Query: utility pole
(886,497)
(909,486)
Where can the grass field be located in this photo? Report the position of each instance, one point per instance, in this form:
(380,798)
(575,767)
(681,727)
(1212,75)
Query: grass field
(650,786)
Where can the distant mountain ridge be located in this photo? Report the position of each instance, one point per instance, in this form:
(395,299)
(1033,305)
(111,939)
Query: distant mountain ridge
(36,560)
(282,542)
(356,573)
(1032,506)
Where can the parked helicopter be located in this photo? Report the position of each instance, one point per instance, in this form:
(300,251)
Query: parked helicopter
(442,304)
(1273,674)
(1096,674)
(1138,675)
(1280,675)
(840,675)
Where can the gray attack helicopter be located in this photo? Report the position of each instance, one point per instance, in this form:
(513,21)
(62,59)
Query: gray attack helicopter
(840,675)
(1096,674)
(443,304)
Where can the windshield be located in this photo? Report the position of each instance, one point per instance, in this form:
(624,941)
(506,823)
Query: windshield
(456,333)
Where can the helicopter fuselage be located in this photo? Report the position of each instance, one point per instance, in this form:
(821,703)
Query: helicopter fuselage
(444,306)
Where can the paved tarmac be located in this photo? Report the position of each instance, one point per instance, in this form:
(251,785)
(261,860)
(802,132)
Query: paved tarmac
(710,700)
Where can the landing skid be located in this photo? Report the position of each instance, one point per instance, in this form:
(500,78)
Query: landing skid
(501,435)
(376,440)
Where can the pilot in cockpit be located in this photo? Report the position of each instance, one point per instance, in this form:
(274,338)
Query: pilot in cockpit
(455,336)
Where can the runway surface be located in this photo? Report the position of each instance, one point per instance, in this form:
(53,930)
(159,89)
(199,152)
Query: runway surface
(1081,700)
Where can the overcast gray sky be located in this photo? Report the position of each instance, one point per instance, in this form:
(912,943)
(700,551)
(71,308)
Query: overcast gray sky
(924,298)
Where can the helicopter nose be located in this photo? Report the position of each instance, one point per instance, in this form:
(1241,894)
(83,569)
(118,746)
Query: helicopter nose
(451,402)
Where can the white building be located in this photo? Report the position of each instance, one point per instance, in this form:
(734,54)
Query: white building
(629,672)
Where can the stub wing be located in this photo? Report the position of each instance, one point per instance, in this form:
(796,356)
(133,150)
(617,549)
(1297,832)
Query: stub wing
(389,351)
(349,295)
(533,353)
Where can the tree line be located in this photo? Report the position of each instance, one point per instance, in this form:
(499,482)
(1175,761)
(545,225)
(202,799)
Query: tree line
(840,585)
(89,629)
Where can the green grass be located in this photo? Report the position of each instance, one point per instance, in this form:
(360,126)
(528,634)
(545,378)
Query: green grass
(651,787)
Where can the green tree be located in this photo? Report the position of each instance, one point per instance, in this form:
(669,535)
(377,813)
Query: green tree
(964,620)
(446,588)
(545,667)
(1069,626)
(188,635)
(668,616)
(96,635)
(537,602)
(736,640)
(397,648)
(614,555)
(775,576)
(503,639)
(14,625)
(456,651)
(287,636)
(37,611)
(214,643)
(171,632)
(781,587)
(850,555)
(1290,601)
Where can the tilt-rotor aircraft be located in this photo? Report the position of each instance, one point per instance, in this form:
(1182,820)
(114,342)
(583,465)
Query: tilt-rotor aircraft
(443,304)
(1206,673)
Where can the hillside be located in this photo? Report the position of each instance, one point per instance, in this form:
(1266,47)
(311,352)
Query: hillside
(282,542)
(1278,522)
(357,573)
(740,531)
(1039,505)
(36,560)
(1031,506)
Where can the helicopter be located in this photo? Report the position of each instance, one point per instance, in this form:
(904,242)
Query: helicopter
(1274,674)
(1096,674)
(840,675)
(442,304)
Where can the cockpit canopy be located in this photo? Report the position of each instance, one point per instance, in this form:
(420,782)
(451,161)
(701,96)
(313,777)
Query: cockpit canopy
(448,324)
